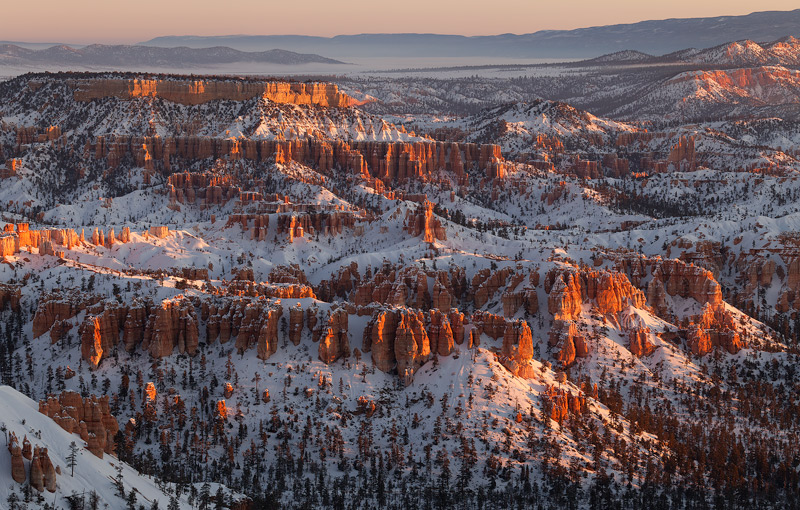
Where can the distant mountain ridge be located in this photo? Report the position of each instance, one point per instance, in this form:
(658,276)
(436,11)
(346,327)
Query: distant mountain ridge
(126,55)
(785,52)
(655,37)
(742,53)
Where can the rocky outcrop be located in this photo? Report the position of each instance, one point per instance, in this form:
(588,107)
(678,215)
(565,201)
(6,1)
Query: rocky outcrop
(639,344)
(611,292)
(408,286)
(90,417)
(99,331)
(335,341)
(398,338)
(10,296)
(379,337)
(58,307)
(571,344)
(457,325)
(423,223)
(17,463)
(608,292)
(441,298)
(52,241)
(202,189)
(172,324)
(194,92)
(341,283)
(485,284)
(378,162)
(714,327)
(296,324)
(48,470)
(267,344)
(159,231)
(517,350)
(411,344)
(135,324)
(688,281)
(672,277)
(36,473)
(564,301)
(489,324)
(251,322)
(657,297)
(682,154)
(8,245)
(699,341)
(559,404)
(440,334)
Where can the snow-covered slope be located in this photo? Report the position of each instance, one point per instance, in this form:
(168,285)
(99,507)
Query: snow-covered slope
(92,477)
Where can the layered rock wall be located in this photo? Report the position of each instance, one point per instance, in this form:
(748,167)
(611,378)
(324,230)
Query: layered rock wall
(194,92)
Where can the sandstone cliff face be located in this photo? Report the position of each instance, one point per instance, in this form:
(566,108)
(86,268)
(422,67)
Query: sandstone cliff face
(564,301)
(99,331)
(517,348)
(58,307)
(194,92)
(671,277)
(10,296)
(411,345)
(47,468)
(203,189)
(457,325)
(379,163)
(559,404)
(398,338)
(17,464)
(342,282)
(688,281)
(489,324)
(564,334)
(608,292)
(172,324)
(296,324)
(135,324)
(639,344)
(335,341)
(379,337)
(408,286)
(714,327)
(485,284)
(52,241)
(36,472)
(611,292)
(440,334)
(91,417)
(268,334)
(441,299)
(423,223)
(325,223)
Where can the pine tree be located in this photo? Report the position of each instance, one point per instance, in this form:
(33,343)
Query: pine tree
(205,496)
(131,500)
(118,481)
(72,458)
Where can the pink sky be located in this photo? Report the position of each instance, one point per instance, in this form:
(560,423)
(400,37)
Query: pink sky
(111,21)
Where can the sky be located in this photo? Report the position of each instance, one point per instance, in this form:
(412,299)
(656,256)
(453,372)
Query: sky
(111,21)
